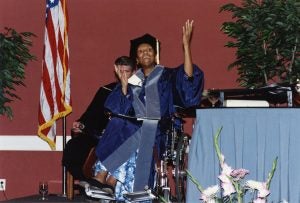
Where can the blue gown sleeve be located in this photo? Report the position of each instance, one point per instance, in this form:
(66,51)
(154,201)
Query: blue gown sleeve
(118,103)
(118,130)
(189,89)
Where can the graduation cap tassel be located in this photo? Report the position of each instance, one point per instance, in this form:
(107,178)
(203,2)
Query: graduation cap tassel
(157,51)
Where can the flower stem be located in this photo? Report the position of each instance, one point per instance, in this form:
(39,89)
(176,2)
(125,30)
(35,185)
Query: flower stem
(216,143)
(271,174)
(200,188)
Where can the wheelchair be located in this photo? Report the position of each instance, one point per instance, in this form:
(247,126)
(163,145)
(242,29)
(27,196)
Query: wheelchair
(171,174)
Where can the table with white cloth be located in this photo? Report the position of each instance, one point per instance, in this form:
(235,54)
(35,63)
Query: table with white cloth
(251,138)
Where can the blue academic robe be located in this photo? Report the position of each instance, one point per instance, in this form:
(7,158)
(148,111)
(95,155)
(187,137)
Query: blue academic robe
(122,136)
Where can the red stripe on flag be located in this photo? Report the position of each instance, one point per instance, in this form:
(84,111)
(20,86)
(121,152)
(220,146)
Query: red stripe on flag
(60,49)
(52,38)
(47,88)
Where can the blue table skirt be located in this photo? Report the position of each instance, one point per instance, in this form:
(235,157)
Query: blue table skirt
(251,138)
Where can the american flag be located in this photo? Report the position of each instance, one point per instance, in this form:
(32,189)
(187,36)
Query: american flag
(55,95)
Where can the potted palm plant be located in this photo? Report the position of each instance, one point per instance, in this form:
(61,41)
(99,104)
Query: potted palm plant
(14,56)
(266,36)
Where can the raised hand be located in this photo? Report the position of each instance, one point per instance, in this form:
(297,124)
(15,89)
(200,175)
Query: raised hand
(187,31)
(77,127)
(123,78)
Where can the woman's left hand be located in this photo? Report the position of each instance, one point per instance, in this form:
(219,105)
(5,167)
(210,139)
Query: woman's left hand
(187,30)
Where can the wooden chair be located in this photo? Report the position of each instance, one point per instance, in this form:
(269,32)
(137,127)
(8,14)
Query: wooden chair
(87,171)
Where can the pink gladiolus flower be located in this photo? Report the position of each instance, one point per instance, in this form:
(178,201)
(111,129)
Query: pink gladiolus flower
(238,174)
(226,183)
(209,194)
(228,189)
(260,200)
(263,191)
(226,170)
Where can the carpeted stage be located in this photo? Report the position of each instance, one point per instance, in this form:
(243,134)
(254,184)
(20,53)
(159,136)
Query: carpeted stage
(58,198)
(53,198)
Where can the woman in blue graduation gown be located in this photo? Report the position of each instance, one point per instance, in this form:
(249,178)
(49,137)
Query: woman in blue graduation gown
(142,108)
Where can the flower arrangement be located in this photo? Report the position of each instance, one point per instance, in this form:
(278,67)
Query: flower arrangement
(232,184)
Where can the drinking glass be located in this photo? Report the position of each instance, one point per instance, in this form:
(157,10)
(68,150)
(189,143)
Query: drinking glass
(43,189)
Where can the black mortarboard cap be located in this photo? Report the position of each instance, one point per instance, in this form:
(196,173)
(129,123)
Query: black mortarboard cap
(147,38)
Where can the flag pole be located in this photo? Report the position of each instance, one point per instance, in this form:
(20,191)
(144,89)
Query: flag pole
(64,170)
(64,120)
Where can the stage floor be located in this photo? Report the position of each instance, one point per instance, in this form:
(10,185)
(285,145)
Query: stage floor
(58,198)
(52,198)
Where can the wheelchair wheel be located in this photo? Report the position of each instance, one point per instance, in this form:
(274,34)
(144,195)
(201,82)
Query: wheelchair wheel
(180,166)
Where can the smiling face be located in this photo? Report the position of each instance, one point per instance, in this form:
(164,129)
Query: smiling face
(145,55)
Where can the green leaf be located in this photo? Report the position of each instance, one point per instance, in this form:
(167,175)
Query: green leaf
(14,57)
(259,30)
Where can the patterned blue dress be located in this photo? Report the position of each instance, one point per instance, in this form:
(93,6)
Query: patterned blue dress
(124,175)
